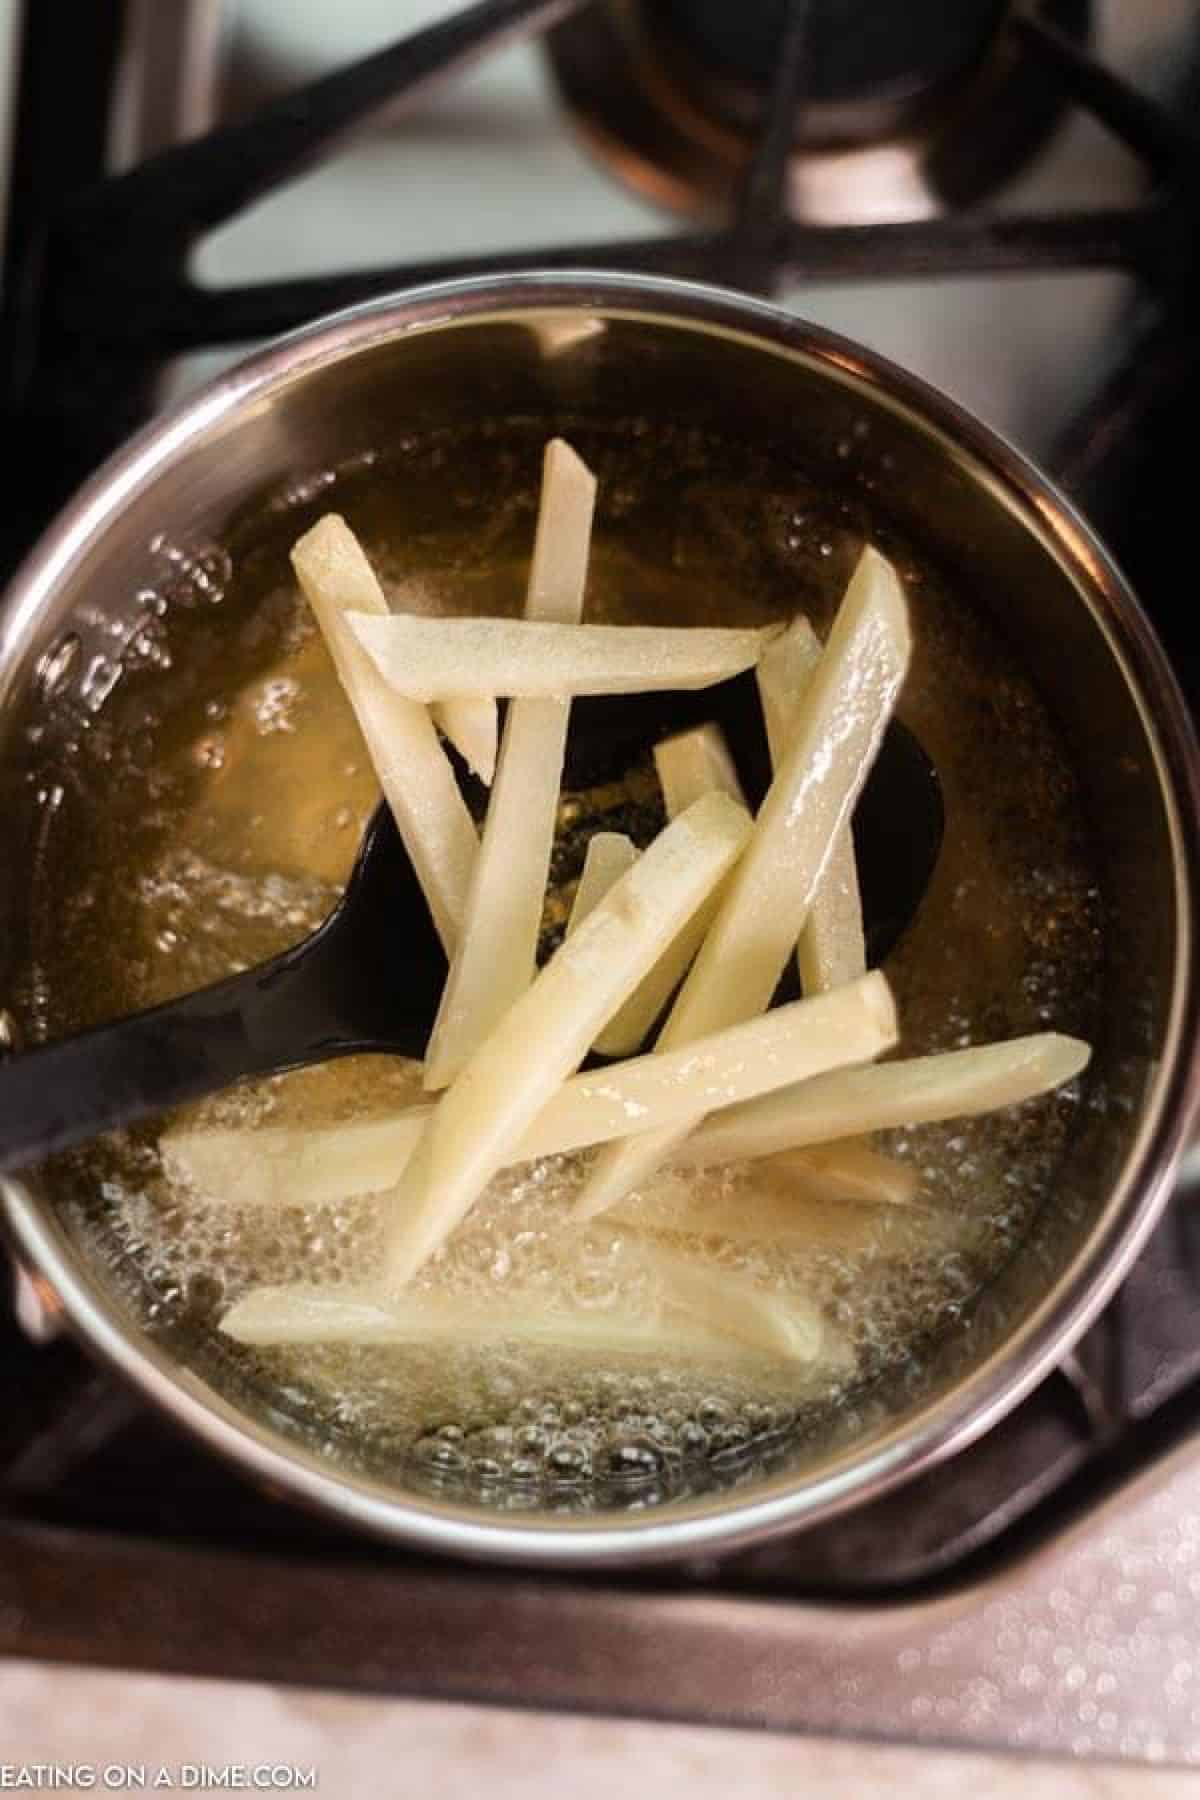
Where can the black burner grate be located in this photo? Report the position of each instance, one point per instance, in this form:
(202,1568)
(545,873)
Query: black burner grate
(97,286)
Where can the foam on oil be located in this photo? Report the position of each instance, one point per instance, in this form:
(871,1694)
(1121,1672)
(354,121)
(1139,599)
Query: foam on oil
(208,810)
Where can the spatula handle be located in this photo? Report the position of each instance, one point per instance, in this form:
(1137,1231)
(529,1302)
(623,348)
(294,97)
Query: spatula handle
(63,1093)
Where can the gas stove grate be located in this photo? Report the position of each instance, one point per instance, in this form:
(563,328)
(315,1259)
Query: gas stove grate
(97,286)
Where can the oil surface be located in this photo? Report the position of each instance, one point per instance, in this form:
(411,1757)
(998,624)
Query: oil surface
(205,811)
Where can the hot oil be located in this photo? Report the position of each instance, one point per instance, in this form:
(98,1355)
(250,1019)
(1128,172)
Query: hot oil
(215,803)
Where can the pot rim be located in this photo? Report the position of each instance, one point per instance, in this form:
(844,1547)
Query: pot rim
(943,1425)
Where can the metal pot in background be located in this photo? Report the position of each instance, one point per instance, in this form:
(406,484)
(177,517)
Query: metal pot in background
(597,346)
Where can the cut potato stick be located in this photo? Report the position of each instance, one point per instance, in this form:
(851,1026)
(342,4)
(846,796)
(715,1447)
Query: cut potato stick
(472,725)
(288,1166)
(690,764)
(831,948)
(534,658)
(845,710)
(846,1171)
(293,1165)
(836,1030)
(546,1033)
(695,762)
(918,1091)
(497,952)
(737,1307)
(315,1315)
(628,1029)
(414,770)
(696,1311)
(609,855)
(789,1221)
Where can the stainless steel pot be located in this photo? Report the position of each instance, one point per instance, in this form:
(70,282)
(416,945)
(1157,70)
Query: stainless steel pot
(596,345)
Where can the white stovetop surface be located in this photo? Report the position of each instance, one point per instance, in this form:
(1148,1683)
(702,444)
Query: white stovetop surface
(362,1747)
(1016,353)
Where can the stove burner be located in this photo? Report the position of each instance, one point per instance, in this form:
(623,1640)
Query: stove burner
(904,114)
(870,67)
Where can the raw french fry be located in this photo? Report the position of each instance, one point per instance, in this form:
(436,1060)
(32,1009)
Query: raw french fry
(849,1026)
(695,1311)
(283,1165)
(918,1091)
(845,710)
(292,1165)
(546,1033)
(609,855)
(737,1307)
(846,1171)
(691,763)
(777,1216)
(497,952)
(414,771)
(766,902)
(832,1030)
(316,1315)
(472,725)
(831,948)
(536,658)
(628,1029)
(695,762)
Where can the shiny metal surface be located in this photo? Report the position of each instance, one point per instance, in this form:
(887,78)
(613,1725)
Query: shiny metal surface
(678,128)
(167,87)
(696,354)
